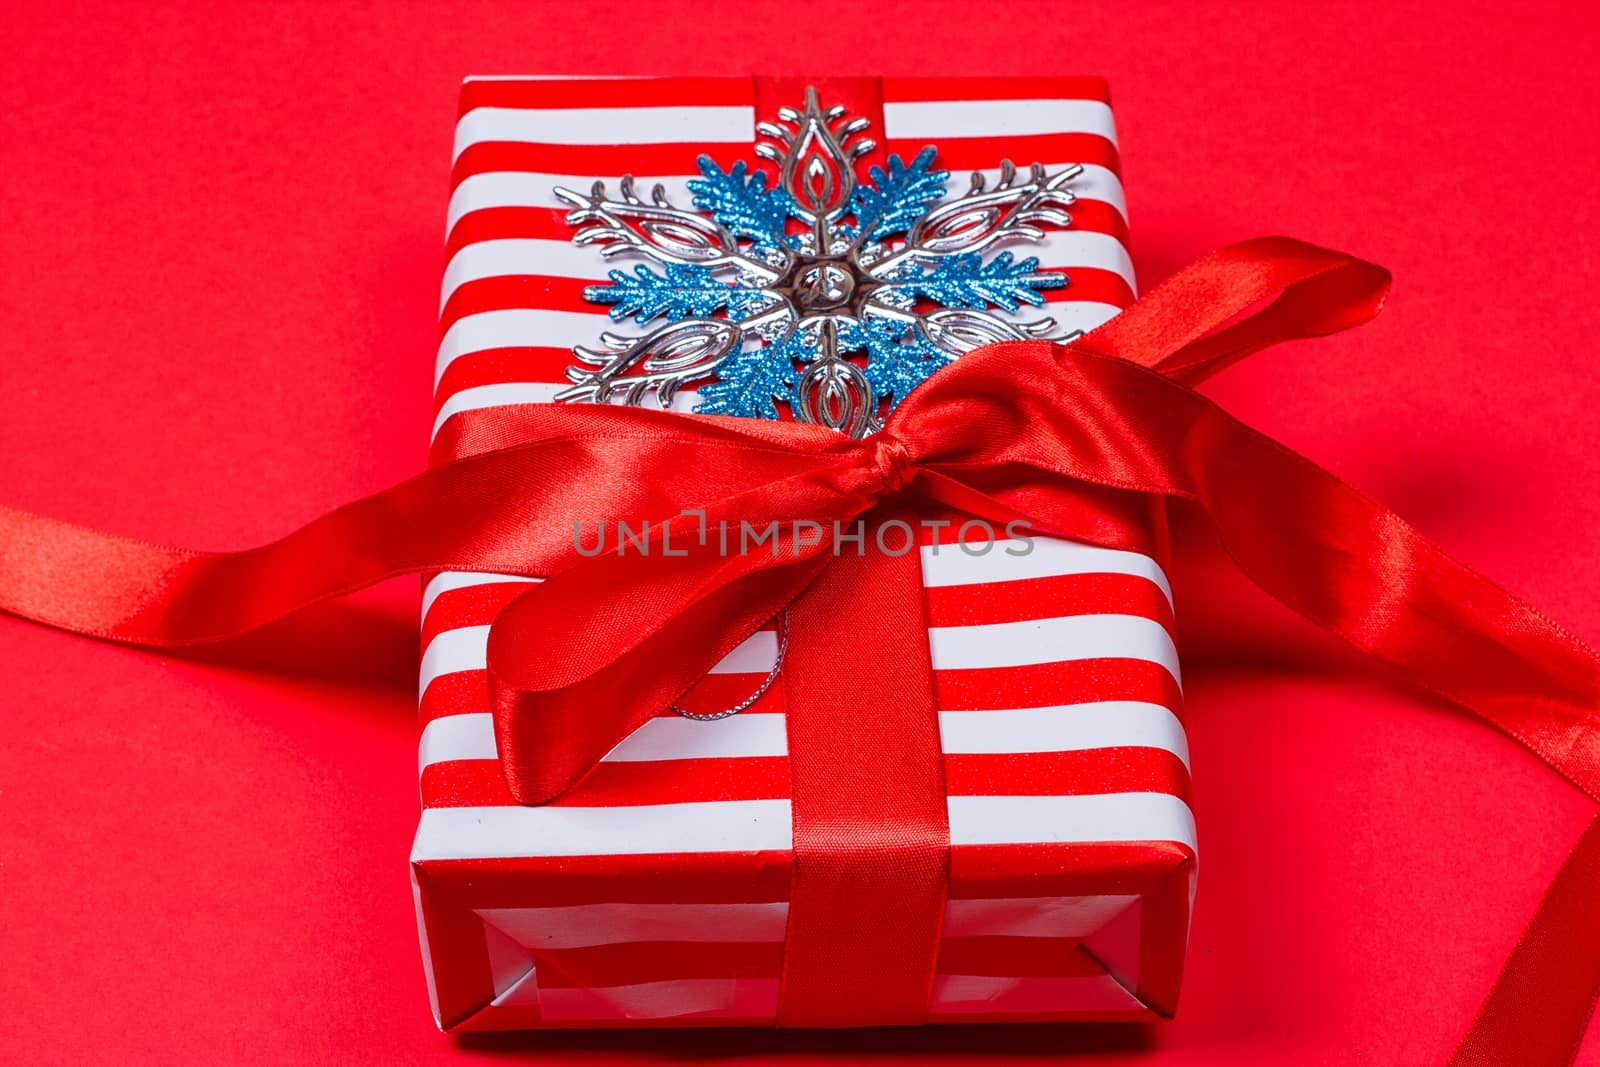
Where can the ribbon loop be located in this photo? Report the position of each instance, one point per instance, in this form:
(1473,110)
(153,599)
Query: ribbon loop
(1184,327)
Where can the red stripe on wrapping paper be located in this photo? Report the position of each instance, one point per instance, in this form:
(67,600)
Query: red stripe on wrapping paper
(604,92)
(1088,284)
(1048,598)
(1016,957)
(1050,869)
(1060,774)
(472,605)
(1047,684)
(569,881)
(550,224)
(958,154)
(480,783)
(1098,216)
(453,694)
(499,366)
(631,963)
(501,223)
(549,292)
(915,90)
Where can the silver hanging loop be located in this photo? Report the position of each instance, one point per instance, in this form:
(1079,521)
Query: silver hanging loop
(766,683)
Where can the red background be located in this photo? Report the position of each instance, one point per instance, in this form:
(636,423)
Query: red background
(221,246)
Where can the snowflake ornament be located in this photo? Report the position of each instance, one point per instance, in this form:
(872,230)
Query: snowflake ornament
(819,291)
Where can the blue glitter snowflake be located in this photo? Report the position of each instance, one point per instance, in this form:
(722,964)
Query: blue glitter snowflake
(833,296)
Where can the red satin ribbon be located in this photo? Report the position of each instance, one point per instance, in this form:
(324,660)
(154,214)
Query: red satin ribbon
(1066,437)
(871,828)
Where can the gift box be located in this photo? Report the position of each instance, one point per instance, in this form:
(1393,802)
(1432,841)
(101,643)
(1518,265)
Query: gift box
(658,891)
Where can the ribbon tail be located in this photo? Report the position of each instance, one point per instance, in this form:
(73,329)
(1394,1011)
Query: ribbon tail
(1208,316)
(1545,994)
(119,589)
(1314,542)
(508,511)
(1360,571)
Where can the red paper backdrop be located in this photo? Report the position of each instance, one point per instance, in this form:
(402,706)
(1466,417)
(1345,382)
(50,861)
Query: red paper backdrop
(221,238)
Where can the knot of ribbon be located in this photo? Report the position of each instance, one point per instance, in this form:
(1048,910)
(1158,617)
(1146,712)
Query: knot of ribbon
(1068,438)
(892,460)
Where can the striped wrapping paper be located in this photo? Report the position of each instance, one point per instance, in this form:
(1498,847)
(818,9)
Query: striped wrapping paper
(655,893)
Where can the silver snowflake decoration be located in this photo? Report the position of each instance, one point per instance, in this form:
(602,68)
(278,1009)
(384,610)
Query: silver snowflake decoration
(820,292)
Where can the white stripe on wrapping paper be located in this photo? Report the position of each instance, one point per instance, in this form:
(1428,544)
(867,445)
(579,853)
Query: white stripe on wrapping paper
(1069,315)
(748,735)
(525,188)
(449,581)
(708,125)
(737,998)
(1031,916)
(1059,640)
(513,256)
(1070,820)
(754,655)
(510,256)
(514,831)
(480,397)
(518,328)
(539,328)
(763,825)
(1064,728)
(512,188)
(466,648)
(934,119)
(453,737)
(462,649)
(955,993)
(584,925)
(1045,557)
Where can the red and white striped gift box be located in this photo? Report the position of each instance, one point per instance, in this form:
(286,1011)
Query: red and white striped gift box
(655,893)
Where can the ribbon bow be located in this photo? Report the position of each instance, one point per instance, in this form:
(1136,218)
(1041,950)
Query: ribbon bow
(1065,437)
